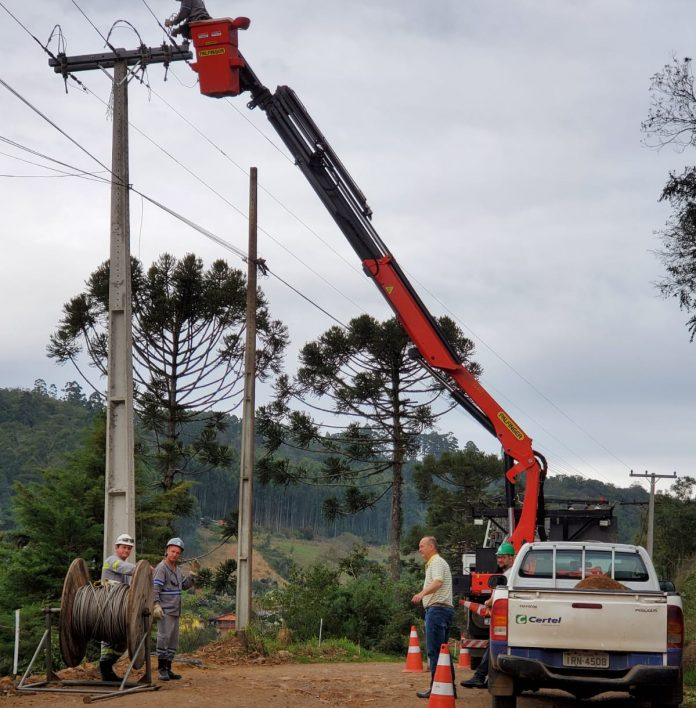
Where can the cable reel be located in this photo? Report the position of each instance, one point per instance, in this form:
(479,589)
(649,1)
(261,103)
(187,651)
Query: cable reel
(115,613)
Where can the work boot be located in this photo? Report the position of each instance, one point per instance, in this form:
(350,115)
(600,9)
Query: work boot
(162,673)
(423,694)
(106,668)
(172,675)
(476,681)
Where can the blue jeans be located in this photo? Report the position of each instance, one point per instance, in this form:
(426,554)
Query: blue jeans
(438,621)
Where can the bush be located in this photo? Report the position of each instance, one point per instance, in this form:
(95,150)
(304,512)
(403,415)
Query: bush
(192,639)
(367,608)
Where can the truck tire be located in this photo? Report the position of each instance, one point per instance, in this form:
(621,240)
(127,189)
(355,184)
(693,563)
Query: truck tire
(503,701)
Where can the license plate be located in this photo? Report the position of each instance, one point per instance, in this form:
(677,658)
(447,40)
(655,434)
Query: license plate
(586,659)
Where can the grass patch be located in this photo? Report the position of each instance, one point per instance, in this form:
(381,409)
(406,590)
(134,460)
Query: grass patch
(305,553)
(311,652)
(689,697)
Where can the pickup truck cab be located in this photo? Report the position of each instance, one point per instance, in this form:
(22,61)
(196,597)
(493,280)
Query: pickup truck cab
(625,635)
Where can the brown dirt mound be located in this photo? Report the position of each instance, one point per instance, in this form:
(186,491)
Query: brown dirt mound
(228,651)
(600,582)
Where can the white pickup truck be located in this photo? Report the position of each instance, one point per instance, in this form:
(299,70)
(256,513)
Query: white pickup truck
(546,633)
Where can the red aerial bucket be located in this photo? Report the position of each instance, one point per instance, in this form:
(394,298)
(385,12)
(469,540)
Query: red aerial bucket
(217,54)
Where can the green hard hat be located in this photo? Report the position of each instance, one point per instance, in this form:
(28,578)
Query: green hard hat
(505,549)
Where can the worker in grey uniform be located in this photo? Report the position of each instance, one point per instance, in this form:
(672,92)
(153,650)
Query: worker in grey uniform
(116,569)
(169,582)
(191,11)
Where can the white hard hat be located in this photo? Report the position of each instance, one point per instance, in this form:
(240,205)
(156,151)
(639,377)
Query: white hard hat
(125,539)
(175,542)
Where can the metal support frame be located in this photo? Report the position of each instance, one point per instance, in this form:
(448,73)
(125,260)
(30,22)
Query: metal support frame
(143,55)
(104,689)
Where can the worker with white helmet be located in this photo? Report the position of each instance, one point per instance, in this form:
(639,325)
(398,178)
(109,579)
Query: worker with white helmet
(116,569)
(169,583)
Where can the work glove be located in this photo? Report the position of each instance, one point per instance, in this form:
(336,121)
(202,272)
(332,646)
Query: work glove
(168,23)
(157,612)
(195,568)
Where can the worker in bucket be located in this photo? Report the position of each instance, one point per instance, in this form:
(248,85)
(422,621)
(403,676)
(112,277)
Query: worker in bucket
(169,582)
(504,556)
(436,597)
(191,11)
(116,569)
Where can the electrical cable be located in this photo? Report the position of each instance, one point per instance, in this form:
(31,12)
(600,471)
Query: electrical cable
(96,29)
(99,612)
(520,375)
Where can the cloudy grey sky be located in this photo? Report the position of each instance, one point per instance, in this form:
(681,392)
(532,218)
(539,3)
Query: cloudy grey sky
(498,144)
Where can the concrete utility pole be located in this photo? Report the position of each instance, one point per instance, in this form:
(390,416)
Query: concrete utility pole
(246,472)
(119,488)
(651,505)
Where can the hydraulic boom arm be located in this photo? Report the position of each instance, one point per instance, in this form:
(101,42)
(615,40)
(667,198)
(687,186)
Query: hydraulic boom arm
(349,208)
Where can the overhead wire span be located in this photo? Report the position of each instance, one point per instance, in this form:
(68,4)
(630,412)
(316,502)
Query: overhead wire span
(55,125)
(96,29)
(522,377)
(44,46)
(222,152)
(208,234)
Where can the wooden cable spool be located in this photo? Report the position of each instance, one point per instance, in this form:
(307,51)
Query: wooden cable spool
(72,645)
(138,613)
(140,601)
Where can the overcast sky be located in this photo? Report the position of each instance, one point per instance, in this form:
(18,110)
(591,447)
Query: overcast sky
(498,144)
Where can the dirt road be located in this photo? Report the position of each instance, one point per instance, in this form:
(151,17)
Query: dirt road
(300,686)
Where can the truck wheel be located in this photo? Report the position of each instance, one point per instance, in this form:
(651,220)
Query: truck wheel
(503,701)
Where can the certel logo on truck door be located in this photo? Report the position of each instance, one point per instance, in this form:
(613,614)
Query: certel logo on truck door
(533,619)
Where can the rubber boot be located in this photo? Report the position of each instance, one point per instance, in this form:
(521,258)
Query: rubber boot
(162,673)
(106,668)
(172,675)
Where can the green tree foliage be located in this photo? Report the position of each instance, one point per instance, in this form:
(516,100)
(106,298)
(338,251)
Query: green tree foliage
(672,121)
(224,580)
(60,517)
(453,484)
(364,374)
(674,541)
(366,607)
(188,351)
(36,428)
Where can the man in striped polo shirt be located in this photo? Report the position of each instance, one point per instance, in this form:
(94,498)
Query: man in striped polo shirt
(436,597)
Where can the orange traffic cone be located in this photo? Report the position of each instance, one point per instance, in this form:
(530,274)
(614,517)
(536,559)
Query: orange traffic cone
(414,661)
(476,608)
(464,655)
(442,690)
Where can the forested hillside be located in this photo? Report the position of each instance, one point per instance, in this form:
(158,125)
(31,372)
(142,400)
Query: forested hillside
(37,427)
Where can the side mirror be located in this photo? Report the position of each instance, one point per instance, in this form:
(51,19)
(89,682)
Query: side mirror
(667,586)
(496,581)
